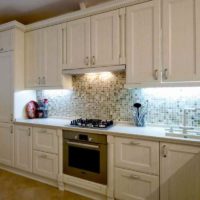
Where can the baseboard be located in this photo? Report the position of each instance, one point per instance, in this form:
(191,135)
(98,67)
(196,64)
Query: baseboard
(29,175)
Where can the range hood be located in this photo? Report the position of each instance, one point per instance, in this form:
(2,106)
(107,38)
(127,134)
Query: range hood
(94,70)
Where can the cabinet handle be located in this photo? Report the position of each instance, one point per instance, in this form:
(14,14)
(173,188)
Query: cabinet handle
(11,129)
(134,143)
(43,156)
(93,60)
(44,80)
(39,81)
(87,60)
(29,131)
(11,117)
(164,151)
(132,176)
(165,75)
(155,74)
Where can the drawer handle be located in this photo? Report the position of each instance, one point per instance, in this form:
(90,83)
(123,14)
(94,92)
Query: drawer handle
(43,156)
(132,176)
(134,143)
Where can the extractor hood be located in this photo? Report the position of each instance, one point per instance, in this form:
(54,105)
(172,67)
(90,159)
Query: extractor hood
(94,70)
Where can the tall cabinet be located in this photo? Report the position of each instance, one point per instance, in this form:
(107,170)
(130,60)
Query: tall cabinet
(11,82)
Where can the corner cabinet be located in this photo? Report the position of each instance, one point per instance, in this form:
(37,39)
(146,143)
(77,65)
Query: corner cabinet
(93,41)
(181,40)
(179,172)
(42,59)
(143,43)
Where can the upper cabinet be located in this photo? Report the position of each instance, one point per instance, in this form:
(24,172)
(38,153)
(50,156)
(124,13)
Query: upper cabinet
(143,43)
(105,39)
(6,41)
(42,59)
(181,40)
(93,41)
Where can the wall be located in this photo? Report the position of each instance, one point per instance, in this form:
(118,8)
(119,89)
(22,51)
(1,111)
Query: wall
(104,96)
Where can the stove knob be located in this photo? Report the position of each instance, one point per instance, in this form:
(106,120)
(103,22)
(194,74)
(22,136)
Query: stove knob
(76,137)
(90,139)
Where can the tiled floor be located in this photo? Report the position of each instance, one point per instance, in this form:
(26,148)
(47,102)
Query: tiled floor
(14,187)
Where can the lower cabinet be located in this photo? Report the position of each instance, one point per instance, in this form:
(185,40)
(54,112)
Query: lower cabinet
(23,148)
(131,185)
(6,144)
(179,172)
(45,164)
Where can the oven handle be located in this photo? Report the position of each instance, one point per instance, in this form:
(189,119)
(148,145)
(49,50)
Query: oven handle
(83,145)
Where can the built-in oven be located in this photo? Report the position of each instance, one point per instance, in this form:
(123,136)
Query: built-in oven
(85,156)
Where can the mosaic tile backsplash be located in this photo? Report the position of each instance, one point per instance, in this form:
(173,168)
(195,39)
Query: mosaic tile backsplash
(104,96)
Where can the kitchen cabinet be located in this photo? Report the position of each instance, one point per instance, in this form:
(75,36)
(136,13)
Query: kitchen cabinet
(77,43)
(6,41)
(42,58)
(93,41)
(45,140)
(131,185)
(6,87)
(45,164)
(105,42)
(138,155)
(181,40)
(143,43)
(23,148)
(179,172)
(6,144)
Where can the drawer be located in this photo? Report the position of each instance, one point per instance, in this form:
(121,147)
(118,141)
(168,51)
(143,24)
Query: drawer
(131,185)
(45,140)
(45,164)
(138,155)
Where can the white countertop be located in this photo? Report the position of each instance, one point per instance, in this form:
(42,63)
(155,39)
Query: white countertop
(122,130)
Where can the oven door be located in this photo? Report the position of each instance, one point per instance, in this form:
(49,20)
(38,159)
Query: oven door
(85,160)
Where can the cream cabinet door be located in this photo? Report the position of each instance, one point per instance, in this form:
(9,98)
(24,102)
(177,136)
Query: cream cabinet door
(23,148)
(6,41)
(139,155)
(131,185)
(51,70)
(33,58)
(179,172)
(6,144)
(45,164)
(78,44)
(143,40)
(181,40)
(6,88)
(45,140)
(105,39)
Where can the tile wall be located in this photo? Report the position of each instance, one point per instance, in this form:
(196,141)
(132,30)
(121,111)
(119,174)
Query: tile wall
(104,96)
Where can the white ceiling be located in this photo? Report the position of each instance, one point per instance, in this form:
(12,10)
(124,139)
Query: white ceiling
(29,11)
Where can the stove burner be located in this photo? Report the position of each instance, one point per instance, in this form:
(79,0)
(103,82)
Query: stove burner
(91,123)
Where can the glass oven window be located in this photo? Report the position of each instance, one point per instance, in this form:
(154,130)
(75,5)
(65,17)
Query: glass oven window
(85,159)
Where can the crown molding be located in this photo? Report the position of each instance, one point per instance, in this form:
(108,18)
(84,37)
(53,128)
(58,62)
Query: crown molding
(12,25)
(104,7)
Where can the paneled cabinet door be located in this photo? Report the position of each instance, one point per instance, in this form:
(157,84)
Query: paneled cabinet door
(131,185)
(23,148)
(6,41)
(142,43)
(105,38)
(33,58)
(181,40)
(6,144)
(51,70)
(6,89)
(78,44)
(138,155)
(179,172)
